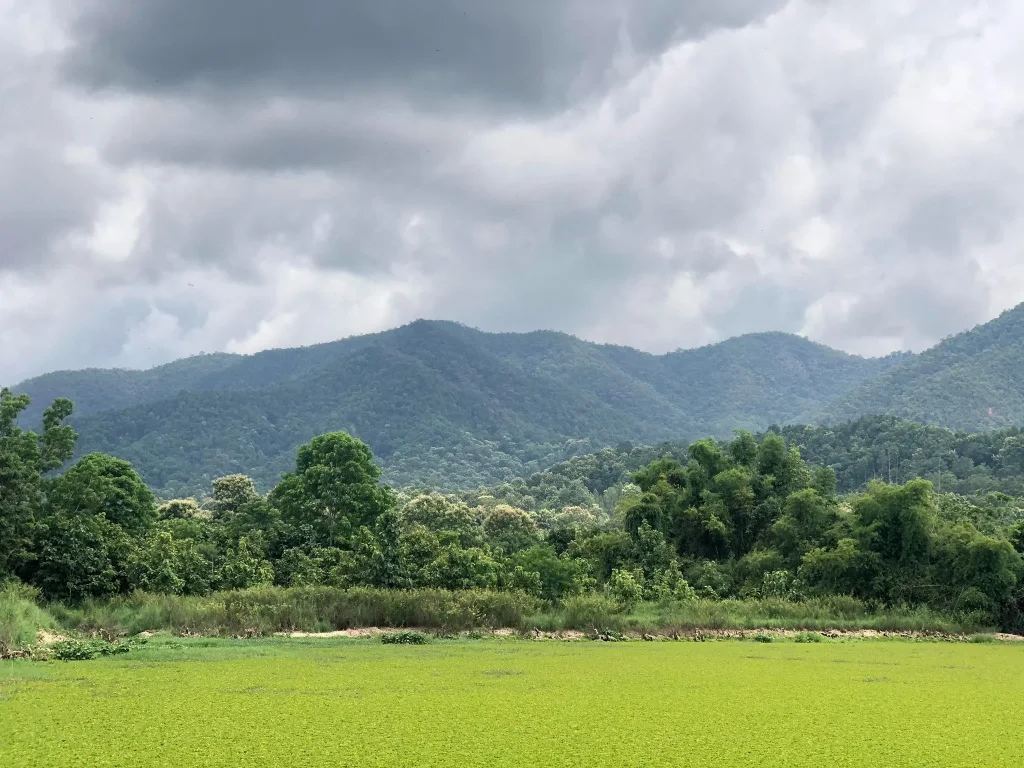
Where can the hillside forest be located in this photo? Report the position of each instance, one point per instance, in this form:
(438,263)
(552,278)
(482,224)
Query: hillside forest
(449,407)
(783,515)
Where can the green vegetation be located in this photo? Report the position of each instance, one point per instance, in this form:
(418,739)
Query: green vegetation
(21,618)
(441,405)
(895,451)
(447,407)
(405,637)
(969,381)
(358,702)
(264,611)
(745,520)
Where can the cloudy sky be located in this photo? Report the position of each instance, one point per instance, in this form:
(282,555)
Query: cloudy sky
(180,176)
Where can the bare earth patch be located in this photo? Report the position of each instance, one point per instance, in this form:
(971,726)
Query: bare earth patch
(46,637)
(1008,638)
(361,632)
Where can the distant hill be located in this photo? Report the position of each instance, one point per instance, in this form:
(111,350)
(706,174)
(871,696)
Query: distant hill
(973,381)
(442,404)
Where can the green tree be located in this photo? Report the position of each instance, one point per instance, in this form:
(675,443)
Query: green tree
(24,458)
(443,514)
(333,489)
(103,486)
(456,568)
(388,568)
(557,576)
(81,556)
(246,566)
(511,529)
(896,524)
(802,526)
(231,493)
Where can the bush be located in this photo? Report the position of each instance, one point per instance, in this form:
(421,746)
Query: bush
(627,588)
(763,637)
(406,637)
(585,612)
(84,650)
(808,637)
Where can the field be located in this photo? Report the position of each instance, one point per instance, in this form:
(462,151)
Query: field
(279,702)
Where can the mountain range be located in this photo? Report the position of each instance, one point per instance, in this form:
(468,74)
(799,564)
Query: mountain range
(447,406)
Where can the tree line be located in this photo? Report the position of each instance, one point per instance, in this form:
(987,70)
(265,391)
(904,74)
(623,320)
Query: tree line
(743,518)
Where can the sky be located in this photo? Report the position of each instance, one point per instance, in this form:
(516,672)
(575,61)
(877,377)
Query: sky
(180,176)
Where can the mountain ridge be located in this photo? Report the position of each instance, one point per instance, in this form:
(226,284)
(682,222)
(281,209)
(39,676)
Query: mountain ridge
(446,405)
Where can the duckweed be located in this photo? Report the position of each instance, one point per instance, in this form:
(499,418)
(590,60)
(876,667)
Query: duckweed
(514,702)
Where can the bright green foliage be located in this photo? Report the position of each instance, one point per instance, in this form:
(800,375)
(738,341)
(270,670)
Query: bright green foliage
(181,509)
(457,568)
(20,617)
(444,515)
(405,637)
(232,493)
(626,588)
(246,566)
(102,486)
(86,650)
(81,555)
(557,576)
(334,489)
(899,705)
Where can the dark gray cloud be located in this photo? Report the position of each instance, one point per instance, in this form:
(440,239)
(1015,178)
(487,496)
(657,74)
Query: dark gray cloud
(532,52)
(238,174)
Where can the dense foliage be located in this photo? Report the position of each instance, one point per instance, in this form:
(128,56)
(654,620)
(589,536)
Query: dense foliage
(970,381)
(744,518)
(440,405)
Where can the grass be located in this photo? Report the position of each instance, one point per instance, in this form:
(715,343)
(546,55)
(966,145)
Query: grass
(264,611)
(216,702)
(20,618)
(841,613)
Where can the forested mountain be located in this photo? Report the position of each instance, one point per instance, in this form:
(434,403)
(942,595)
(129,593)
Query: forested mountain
(441,404)
(446,406)
(971,381)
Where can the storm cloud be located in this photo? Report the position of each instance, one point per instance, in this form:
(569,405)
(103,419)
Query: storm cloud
(180,176)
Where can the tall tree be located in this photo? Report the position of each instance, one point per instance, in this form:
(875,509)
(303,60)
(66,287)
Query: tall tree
(334,488)
(24,458)
(104,486)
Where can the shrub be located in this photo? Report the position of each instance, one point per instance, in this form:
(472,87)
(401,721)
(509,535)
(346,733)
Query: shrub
(84,650)
(584,612)
(627,588)
(763,637)
(405,637)
(808,637)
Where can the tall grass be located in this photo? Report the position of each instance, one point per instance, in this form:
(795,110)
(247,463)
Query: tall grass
(266,610)
(20,618)
(840,613)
